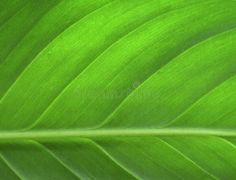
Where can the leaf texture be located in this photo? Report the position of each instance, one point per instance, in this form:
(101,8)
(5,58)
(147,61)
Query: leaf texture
(117,89)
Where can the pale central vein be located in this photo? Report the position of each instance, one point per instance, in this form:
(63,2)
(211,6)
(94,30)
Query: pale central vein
(64,134)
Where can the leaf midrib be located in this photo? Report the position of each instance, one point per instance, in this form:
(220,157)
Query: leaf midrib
(65,134)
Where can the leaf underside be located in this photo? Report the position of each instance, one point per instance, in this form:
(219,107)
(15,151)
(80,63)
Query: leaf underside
(117,89)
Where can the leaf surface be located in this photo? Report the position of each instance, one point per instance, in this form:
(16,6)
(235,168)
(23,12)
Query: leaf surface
(117,89)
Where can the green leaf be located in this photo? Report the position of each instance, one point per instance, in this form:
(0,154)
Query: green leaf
(118,89)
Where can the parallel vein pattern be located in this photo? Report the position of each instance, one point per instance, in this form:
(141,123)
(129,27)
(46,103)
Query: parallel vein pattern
(118,89)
